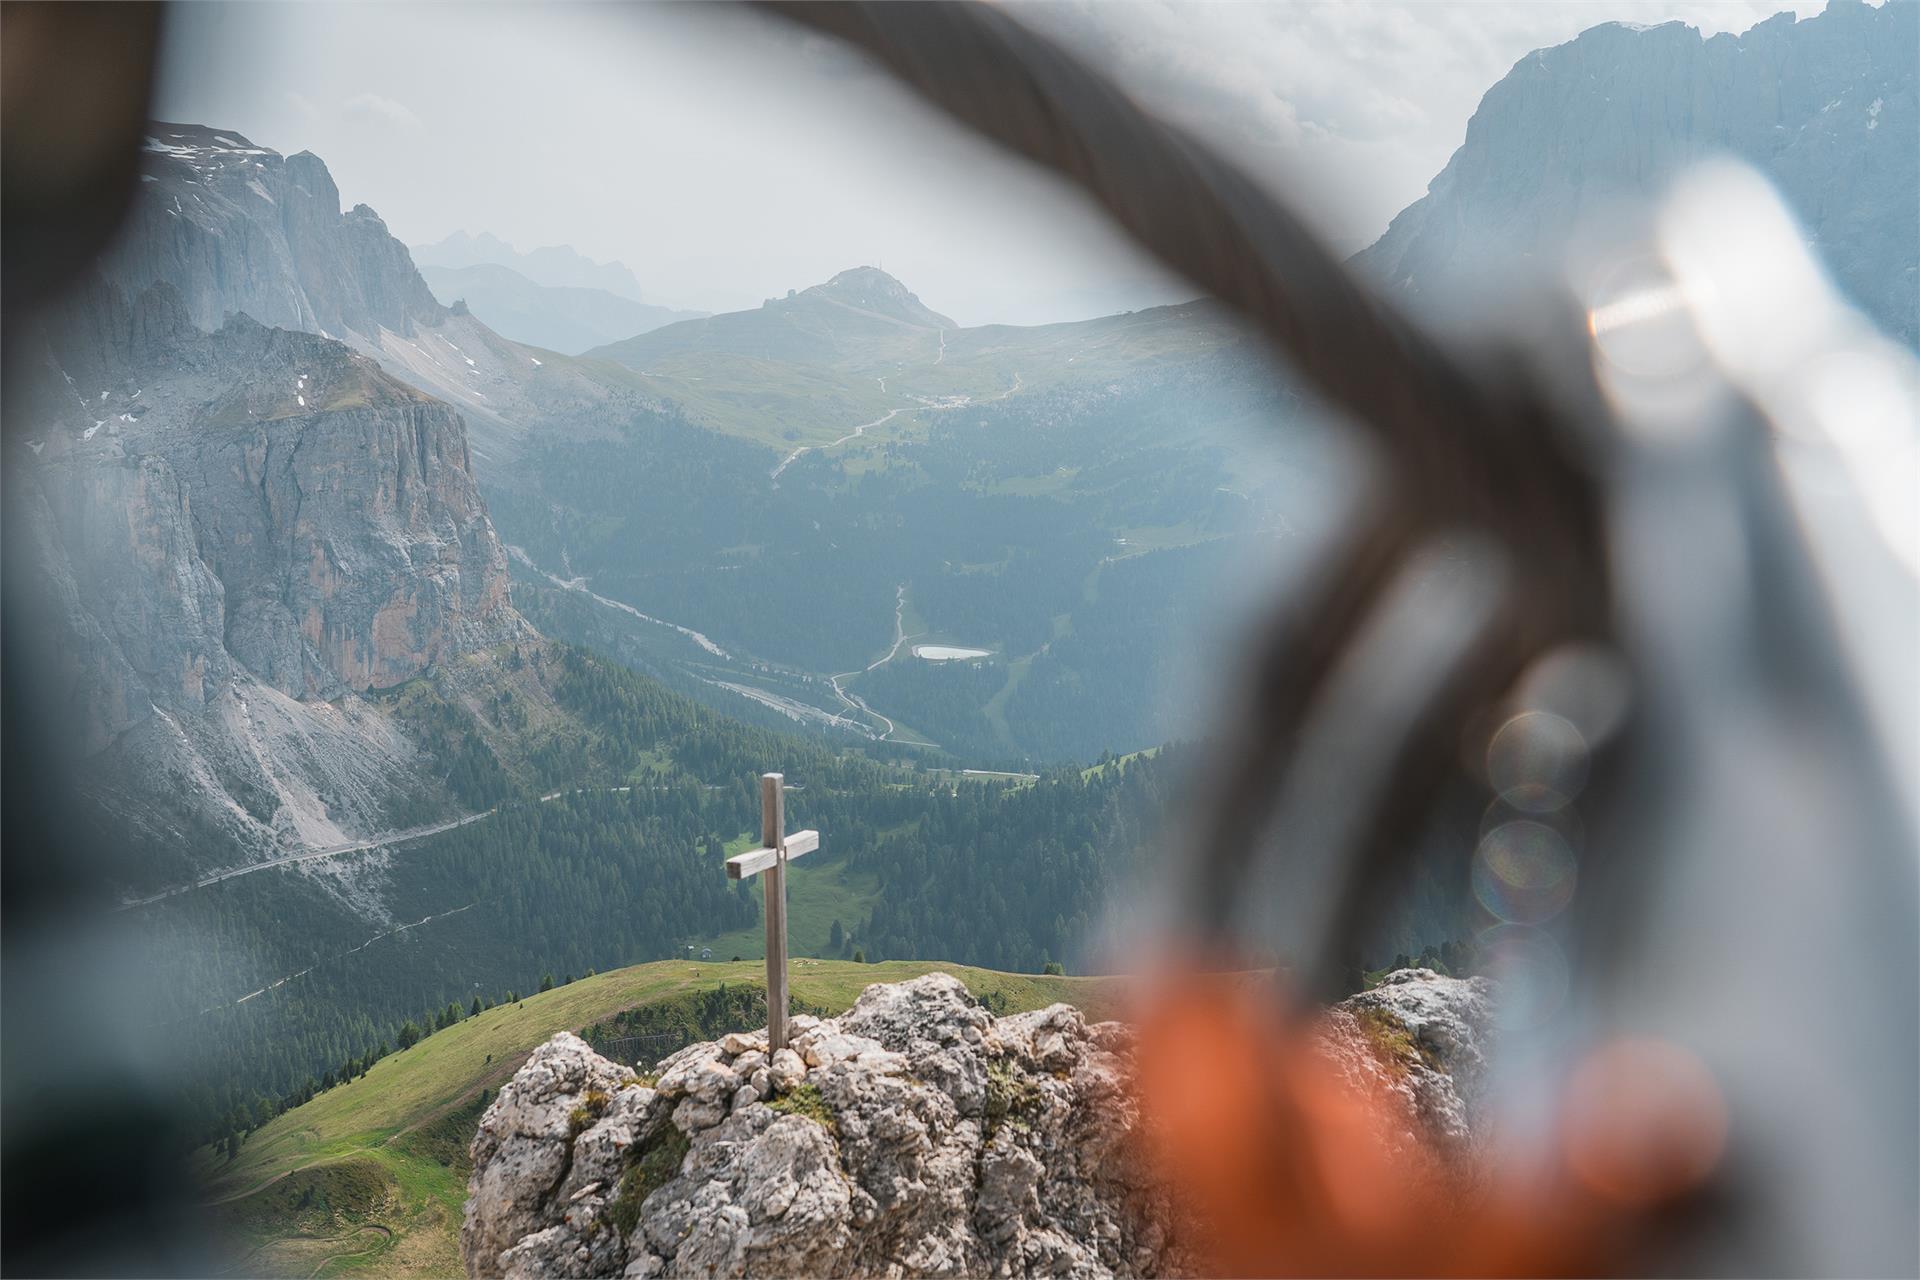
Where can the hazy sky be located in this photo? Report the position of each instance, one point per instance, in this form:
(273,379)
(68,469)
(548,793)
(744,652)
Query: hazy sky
(727,159)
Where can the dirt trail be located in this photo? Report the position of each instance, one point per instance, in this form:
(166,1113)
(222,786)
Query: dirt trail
(387,1239)
(854,434)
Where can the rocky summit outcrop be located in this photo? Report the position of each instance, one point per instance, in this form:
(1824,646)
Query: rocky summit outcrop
(1826,107)
(915,1135)
(1421,1038)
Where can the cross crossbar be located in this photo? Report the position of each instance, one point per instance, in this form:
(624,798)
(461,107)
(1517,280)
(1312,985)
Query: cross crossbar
(751,863)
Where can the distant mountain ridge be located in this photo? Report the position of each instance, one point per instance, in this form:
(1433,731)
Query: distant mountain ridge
(861,317)
(862,347)
(1826,107)
(558,266)
(569,319)
(223,227)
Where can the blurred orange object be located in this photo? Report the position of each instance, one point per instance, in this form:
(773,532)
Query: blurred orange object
(1284,1167)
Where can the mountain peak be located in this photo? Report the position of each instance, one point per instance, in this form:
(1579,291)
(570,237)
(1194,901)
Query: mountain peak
(554,265)
(743,1124)
(185,139)
(871,289)
(206,191)
(855,277)
(1614,114)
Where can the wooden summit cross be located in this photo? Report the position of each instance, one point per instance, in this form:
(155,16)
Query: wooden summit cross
(772,857)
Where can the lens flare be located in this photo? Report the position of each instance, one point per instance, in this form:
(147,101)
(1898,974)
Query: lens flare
(1537,761)
(1564,822)
(1523,872)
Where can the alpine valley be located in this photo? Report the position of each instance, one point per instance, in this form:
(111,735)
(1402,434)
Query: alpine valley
(421,635)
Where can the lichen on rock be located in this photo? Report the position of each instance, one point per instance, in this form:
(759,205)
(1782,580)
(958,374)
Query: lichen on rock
(1421,1038)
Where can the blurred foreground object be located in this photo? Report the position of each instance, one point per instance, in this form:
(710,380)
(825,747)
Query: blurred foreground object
(77,79)
(1639,564)
(95,1182)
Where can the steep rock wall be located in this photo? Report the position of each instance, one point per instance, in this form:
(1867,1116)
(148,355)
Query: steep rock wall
(1826,107)
(233,534)
(238,228)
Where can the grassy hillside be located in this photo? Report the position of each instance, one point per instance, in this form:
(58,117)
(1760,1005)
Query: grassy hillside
(807,369)
(369,1177)
(820,890)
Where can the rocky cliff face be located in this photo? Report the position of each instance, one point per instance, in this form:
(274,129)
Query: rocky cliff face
(1826,107)
(252,500)
(238,531)
(915,1135)
(238,228)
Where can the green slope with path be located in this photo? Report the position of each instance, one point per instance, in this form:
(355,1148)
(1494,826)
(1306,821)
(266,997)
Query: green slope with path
(369,1177)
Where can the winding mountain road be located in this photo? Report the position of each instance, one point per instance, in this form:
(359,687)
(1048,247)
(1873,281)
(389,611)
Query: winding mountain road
(854,700)
(310,855)
(579,585)
(854,434)
(958,402)
(339,850)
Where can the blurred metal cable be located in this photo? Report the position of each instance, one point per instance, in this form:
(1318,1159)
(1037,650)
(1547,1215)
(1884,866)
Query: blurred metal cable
(1665,497)
(1473,453)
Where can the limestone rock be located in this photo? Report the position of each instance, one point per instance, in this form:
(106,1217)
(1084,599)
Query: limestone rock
(1423,1038)
(788,1069)
(525,1148)
(236,536)
(915,1135)
(240,228)
(237,228)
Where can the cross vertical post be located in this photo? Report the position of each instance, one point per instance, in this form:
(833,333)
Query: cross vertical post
(773,825)
(771,859)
